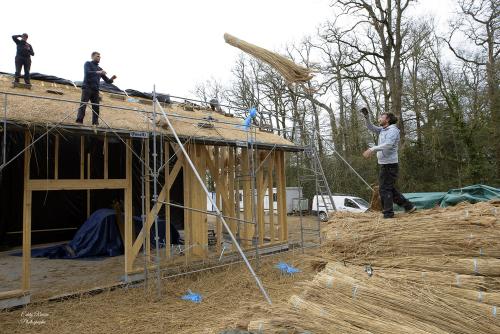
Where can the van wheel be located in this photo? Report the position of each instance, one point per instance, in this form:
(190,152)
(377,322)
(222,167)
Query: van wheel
(323,216)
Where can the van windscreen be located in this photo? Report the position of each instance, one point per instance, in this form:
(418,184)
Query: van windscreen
(361,202)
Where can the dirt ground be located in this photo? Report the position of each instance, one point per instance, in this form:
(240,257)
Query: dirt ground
(55,277)
(52,276)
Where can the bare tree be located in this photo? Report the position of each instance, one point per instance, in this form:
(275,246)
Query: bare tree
(419,35)
(210,89)
(479,21)
(384,25)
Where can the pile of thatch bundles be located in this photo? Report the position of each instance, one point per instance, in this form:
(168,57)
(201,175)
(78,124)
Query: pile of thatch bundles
(432,272)
(466,231)
(346,299)
(390,305)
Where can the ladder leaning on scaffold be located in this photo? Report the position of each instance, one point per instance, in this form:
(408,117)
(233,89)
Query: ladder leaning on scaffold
(324,203)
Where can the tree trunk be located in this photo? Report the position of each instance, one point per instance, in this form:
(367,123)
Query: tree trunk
(494,101)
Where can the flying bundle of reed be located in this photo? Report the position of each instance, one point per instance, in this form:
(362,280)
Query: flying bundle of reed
(293,73)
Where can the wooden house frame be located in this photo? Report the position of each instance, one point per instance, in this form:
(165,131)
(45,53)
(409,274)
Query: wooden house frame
(225,163)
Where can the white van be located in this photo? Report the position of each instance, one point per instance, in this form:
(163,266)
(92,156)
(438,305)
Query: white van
(342,203)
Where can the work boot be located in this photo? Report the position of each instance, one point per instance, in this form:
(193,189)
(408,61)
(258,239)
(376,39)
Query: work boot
(411,210)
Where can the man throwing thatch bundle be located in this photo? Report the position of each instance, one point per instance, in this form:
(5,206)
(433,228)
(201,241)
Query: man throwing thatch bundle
(387,155)
(90,87)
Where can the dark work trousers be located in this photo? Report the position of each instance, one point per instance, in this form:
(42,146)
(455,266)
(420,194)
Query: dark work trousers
(93,96)
(20,63)
(388,192)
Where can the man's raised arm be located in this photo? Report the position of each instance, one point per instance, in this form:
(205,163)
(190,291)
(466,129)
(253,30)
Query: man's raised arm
(15,38)
(369,125)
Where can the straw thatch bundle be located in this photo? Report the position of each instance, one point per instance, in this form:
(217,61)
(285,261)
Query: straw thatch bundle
(466,231)
(283,319)
(375,203)
(342,297)
(443,279)
(287,68)
(428,308)
(467,266)
(472,287)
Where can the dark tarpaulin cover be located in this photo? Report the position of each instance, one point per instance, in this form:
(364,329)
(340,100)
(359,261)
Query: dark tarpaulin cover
(161,97)
(110,88)
(104,87)
(50,78)
(98,236)
(46,78)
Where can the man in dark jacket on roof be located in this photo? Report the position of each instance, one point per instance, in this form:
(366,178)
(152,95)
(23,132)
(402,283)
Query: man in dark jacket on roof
(387,155)
(23,57)
(90,88)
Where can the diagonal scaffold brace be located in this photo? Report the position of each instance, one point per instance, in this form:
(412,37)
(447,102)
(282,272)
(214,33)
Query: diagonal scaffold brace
(214,205)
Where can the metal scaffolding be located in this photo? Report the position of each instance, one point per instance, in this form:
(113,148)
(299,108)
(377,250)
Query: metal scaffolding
(159,165)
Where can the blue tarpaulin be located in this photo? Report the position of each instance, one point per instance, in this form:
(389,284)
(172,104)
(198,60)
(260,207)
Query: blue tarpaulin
(98,236)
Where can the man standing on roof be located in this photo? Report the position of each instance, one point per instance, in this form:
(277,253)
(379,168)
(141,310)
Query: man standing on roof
(23,57)
(90,87)
(387,155)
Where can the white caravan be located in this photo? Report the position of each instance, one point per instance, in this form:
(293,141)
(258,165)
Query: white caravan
(292,200)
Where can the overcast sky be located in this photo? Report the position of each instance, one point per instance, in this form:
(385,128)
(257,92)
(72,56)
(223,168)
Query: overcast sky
(173,44)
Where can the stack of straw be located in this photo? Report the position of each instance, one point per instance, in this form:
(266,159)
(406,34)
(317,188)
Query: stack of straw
(345,299)
(427,238)
(432,272)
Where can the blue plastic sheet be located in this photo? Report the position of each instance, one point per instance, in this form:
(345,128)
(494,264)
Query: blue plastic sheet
(98,236)
(192,297)
(285,268)
(251,115)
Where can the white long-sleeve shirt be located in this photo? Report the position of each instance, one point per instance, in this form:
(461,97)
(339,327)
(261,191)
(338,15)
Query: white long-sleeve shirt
(388,143)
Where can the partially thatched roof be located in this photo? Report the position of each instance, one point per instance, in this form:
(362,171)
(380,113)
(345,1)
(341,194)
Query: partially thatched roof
(186,119)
